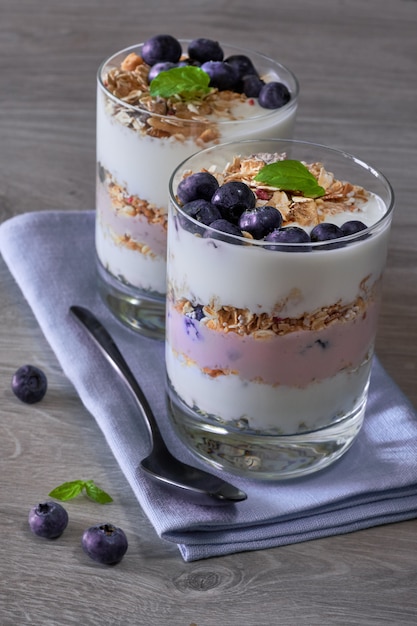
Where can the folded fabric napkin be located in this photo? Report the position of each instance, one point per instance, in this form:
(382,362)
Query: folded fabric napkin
(51,255)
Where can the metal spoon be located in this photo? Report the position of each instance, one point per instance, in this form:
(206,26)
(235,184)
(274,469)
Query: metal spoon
(202,487)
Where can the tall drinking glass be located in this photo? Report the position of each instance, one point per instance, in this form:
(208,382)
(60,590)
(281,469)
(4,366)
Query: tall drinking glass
(273,307)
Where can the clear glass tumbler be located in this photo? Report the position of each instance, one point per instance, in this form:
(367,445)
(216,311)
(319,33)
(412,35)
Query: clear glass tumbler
(270,338)
(140,140)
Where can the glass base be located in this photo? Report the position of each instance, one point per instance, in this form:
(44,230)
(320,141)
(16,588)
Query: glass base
(266,457)
(141,311)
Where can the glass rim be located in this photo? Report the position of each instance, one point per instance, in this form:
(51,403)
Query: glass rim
(294,246)
(295,91)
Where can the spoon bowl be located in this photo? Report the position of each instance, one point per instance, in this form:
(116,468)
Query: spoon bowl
(160,465)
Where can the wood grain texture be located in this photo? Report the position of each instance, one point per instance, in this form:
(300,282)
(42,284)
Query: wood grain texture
(356,62)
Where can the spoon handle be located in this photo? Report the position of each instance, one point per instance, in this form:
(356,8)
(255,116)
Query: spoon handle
(105,343)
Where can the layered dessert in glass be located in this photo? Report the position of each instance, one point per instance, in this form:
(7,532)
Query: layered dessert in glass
(151,115)
(274,287)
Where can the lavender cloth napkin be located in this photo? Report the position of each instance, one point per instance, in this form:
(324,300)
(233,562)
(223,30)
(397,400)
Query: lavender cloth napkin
(51,256)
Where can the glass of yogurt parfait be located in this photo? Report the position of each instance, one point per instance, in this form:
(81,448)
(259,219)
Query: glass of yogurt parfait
(158,103)
(274,285)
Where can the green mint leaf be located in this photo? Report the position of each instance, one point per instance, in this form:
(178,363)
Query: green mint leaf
(68,490)
(290,176)
(187,82)
(96,494)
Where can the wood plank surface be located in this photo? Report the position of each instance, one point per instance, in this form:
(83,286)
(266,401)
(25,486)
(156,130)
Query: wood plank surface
(357,66)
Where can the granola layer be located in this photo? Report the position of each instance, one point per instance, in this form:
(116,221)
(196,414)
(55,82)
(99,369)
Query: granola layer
(169,117)
(341,197)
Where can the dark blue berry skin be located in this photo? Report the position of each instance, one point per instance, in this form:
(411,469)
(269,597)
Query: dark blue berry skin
(199,185)
(252,85)
(222,75)
(202,211)
(242,64)
(198,312)
(222,228)
(29,384)
(203,50)
(191,329)
(160,67)
(188,61)
(105,543)
(326,232)
(352,227)
(161,48)
(274,95)
(232,199)
(48,519)
(261,221)
(288,235)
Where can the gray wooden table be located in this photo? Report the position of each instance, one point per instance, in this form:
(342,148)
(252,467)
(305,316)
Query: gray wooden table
(356,62)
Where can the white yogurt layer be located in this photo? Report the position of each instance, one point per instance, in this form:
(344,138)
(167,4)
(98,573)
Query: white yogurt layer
(284,284)
(130,266)
(279,409)
(143,165)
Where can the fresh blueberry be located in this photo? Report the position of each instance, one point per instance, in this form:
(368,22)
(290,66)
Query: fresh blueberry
(104,543)
(160,67)
(252,85)
(327,231)
(352,227)
(48,519)
(274,95)
(222,75)
(232,199)
(288,235)
(161,48)
(242,64)
(260,221)
(203,50)
(196,186)
(29,384)
(202,211)
(219,229)
(198,312)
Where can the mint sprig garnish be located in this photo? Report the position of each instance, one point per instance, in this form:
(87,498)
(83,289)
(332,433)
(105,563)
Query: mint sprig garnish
(70,490)
(290,175)
(186,82)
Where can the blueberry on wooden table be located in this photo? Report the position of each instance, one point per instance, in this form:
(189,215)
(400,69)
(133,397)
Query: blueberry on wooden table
(29,384)
(105,543)
(48,519)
